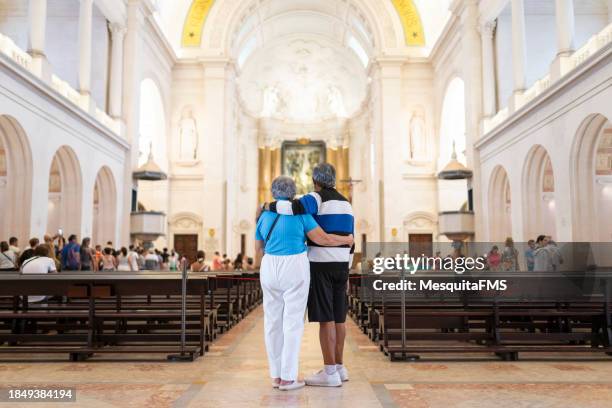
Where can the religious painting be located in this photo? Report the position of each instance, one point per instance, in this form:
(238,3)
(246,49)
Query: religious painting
(299,159)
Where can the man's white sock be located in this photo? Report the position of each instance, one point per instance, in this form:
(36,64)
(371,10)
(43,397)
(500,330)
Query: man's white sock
(330,369)
(339,367)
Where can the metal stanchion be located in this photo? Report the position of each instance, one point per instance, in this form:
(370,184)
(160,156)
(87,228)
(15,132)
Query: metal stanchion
(409,357)
(183,356)
(403,313)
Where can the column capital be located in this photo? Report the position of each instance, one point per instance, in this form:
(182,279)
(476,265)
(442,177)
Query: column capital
(117,30)
(487,28)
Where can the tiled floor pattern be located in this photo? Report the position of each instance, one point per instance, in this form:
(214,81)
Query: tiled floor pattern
(234,374)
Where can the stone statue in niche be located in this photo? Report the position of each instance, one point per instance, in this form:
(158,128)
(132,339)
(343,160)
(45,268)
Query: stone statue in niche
(188,132)
(271,102)
(418,138)
(335,102)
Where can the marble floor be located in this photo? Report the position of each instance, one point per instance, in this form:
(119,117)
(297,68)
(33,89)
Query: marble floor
(234,374)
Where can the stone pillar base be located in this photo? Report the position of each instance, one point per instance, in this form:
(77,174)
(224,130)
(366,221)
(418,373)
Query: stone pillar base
(41,67)
(516,101)
(560,66)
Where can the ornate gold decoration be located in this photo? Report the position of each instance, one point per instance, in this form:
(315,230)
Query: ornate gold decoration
(339,158)
(211,232)
(194,23)
(269,169)
(303,140)
(411,21)
(394,232)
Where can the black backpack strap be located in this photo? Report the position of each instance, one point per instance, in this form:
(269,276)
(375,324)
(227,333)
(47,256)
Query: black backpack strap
(271,229)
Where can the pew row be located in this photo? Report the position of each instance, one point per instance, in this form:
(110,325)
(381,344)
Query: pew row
(119,312)
(554,315)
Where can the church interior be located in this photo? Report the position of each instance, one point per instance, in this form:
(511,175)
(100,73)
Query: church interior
(162,124)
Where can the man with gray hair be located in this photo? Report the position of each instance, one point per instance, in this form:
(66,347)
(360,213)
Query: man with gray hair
(329,269)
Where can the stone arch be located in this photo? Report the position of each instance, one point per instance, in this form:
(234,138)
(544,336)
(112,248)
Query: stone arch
(105,207)
(152,122)
(225,18)
(586,188)
(15,179)
(65,192)
(500,201)
(419,222)
(452,194)
(538,186)
(452,121)
(185,222)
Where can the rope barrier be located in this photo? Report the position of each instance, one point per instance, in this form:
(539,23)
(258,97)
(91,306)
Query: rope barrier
(257,279)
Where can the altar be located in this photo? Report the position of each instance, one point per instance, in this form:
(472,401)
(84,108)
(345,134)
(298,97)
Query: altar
(297,159)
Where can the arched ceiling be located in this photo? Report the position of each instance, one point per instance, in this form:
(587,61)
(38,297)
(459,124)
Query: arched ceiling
(420,20)
(302,60)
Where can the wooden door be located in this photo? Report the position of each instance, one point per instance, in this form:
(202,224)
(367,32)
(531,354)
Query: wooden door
(187,246)
(420,244)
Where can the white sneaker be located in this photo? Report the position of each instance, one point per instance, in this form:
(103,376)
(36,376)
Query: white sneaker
(343,372)
(296,385)
(322,379)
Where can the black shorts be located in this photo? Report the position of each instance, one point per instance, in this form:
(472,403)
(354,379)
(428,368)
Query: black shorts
(327,299)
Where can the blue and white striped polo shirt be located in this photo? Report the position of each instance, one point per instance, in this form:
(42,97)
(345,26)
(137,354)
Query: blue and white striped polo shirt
(334,213)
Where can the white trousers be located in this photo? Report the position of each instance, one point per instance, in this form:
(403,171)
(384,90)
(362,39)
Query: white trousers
(285,281)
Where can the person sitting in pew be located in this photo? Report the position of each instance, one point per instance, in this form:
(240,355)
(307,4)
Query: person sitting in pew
(41,263)
(8,259)
(28,253)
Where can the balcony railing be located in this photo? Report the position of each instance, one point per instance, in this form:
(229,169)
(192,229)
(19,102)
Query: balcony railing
(581,55)
(63,88)
(10,49)
(594,44)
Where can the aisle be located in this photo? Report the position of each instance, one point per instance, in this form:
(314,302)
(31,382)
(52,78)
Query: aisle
(234,374)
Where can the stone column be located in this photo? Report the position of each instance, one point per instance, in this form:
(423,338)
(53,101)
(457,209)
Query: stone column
(392,130)
(609,11)
(85,23)
(519,54)
(37,22)
(214,115)
(489,96)
(116,71)
(137,13)
(564,12)
(471,43)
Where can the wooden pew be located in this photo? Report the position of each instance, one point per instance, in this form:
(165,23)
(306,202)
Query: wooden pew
(547,314)
(90,314)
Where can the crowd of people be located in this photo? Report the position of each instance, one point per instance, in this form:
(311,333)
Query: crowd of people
(56,254)
(541,255)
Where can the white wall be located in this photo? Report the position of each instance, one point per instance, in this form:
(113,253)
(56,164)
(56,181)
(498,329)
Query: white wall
(50,123)
(552,123)
(541,41)
(61,45)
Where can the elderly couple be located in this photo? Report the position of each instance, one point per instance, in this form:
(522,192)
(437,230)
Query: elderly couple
(294,274)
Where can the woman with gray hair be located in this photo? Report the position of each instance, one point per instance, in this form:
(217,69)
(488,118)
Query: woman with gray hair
(285,280)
